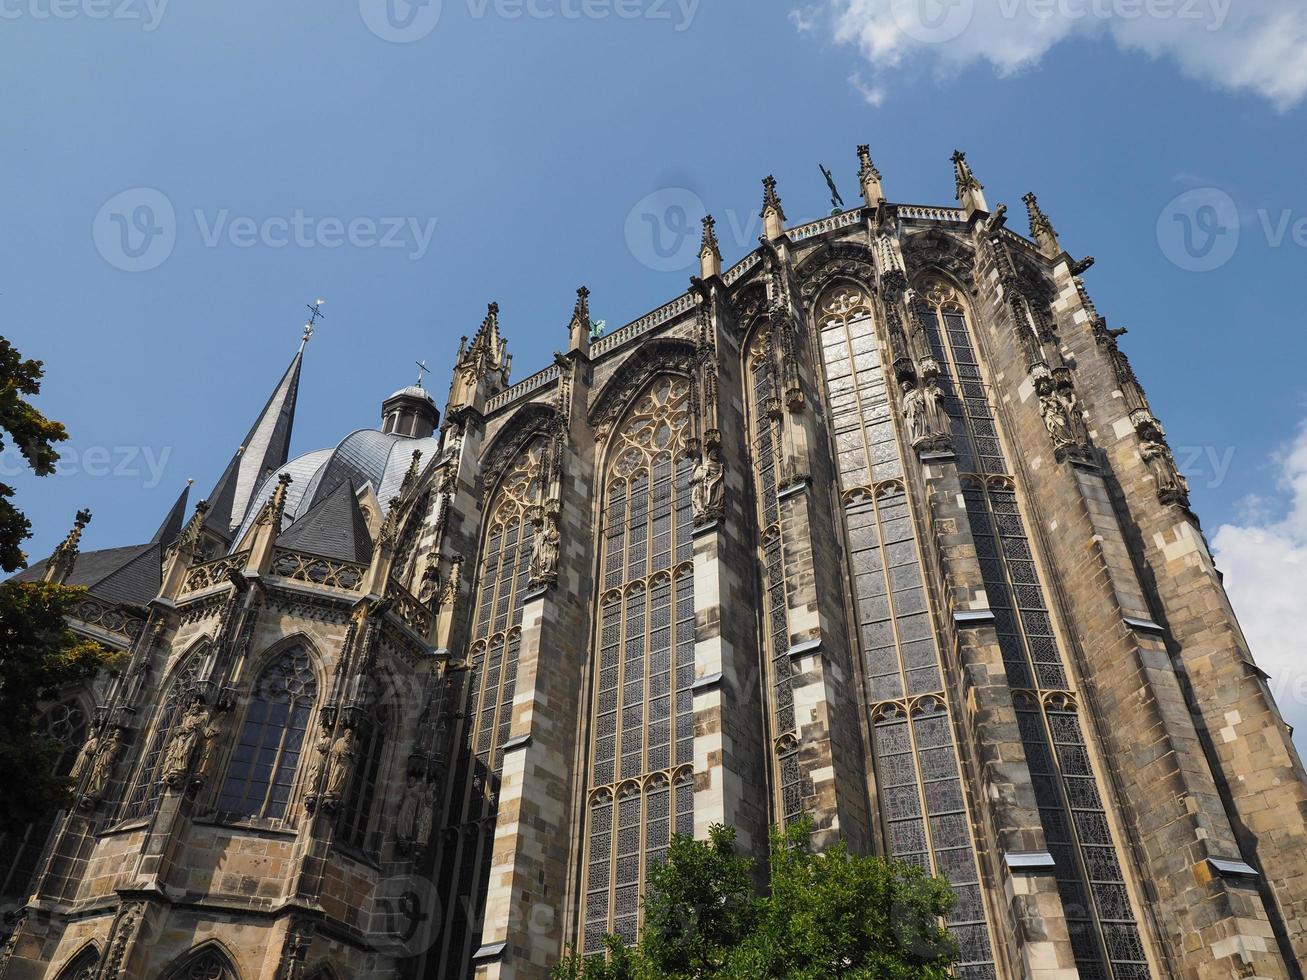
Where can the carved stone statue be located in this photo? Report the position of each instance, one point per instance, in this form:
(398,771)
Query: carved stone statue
(1063,421)
(85,757)
(106,758)
(406,819)
(185,739)
(544,551)
(311,784)
(709,486)
(1172,487)
(429,590)
(343,751)
(425,816)
(928,426)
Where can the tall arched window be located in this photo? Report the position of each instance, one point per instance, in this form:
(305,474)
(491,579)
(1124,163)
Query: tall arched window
(764,424)
(1095,899)
(261,774)
(147,786)
(468,825)
(921,795)
(357,810)
(65,725)
(640,779)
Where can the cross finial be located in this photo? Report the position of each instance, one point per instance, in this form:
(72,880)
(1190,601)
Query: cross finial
(422,369)
(315,313)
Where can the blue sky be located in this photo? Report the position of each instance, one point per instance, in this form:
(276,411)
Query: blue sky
(521,139)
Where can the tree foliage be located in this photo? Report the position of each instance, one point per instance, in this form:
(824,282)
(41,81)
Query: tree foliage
(828,914)
(35,437)
(39,655)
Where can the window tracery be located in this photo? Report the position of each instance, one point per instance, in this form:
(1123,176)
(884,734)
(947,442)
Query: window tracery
(147,788)
(922,799)
(265,762)
(1104,934)
(640,785)
(356,811)
(487,700)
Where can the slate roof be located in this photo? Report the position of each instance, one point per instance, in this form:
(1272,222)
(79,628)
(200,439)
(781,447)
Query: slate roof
(129,575)
(334,528)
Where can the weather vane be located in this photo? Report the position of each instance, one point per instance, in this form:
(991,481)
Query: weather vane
(315,311)
(836,202)
(422,369)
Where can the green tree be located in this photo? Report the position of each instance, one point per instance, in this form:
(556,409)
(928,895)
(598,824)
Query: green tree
(828,914)
(33,434)
(39,654)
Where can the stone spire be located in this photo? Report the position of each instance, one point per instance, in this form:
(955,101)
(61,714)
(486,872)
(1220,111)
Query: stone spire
(482,367)
(578,331)
(1041,229)
(970,191)
(61,562)
(869,178)
(265,449)
(710,253)
(172,525)
(773,215)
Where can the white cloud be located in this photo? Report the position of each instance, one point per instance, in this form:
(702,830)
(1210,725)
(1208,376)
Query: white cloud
(873,94)
(1258,46)
(1264,559)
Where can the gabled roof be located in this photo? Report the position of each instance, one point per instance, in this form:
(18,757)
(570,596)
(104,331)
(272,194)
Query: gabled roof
(129,575)
(334,528)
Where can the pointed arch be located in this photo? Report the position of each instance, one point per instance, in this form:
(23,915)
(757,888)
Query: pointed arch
(660,355)
(180,685)
(642,710)
(208,961)
(82,964)
(485,702)
(262,770)
(529,422)
(834,261)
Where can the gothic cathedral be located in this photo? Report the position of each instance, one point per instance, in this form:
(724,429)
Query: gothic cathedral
(877,526)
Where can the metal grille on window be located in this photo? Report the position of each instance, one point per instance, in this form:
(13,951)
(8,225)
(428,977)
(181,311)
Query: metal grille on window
(640,789)
(923,806)
(775,626)
(486,711)
(1100,917)
(65,724)
(264,764)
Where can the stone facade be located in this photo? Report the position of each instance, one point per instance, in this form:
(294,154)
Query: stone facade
(876,525)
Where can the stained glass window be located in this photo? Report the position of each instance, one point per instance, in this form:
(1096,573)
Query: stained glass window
(467,835)
(640,787)
(261,774)
(147,787)
(356,811)
(922,801)
(1104,935)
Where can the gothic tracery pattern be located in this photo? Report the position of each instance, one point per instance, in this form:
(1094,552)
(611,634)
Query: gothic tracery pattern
(923,802)
(494,643)
(640,788)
